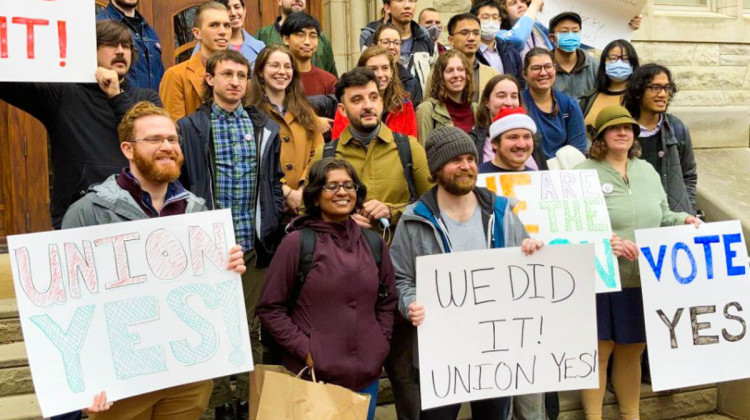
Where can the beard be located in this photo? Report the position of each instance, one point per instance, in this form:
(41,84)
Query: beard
(455,185)
(154,172)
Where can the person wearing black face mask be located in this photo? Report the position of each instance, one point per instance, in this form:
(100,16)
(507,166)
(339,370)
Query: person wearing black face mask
(618,61)
(429,19)
(576,70)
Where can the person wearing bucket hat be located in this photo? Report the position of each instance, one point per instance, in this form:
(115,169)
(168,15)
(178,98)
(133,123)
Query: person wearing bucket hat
(635,200)
(456,215)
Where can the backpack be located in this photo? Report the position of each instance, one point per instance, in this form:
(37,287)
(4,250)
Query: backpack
(404,155)
(308,238)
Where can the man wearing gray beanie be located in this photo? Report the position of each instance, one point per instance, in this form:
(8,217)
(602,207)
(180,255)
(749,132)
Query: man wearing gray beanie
(453,216)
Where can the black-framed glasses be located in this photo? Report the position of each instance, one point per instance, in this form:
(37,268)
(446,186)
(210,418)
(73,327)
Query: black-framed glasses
(655,88)
(614,57)
(389,42)
(334,187)
(155,140)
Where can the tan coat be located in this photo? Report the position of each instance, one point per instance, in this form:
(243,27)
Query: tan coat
(297,149)
(182,86)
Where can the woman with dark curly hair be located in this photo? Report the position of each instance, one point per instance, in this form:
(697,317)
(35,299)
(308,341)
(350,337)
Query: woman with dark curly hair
(341,319)
(635,200)
(450,93)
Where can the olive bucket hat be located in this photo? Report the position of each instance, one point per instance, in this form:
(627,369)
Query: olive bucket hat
(615,115)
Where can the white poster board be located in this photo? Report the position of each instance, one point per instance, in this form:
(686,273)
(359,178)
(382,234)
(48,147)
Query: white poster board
(603,20)
(696,291)
(47,41)
(129,308)
(500,323)
(561,207)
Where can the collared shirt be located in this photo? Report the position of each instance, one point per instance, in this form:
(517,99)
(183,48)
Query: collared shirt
(645,132)
(175,200)
(281,111)
(492,56)
(236,169)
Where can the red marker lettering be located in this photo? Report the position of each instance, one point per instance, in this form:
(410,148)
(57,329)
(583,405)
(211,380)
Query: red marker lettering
(62,35)
(30,23)
(3,37)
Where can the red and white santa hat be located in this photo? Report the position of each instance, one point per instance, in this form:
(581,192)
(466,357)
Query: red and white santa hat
(510,119)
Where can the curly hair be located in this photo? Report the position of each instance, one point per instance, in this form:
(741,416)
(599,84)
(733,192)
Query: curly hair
(637,87)
(599,148)
(295,100)
(436,83)
(394,94)
(317,177)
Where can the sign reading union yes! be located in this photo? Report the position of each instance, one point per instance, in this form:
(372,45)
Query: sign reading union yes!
(47,41)
(129,307)
(499,323)
(696,294)
(561,207)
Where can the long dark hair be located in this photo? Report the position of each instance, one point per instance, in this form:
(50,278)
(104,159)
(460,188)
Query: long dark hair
(316,179)
(295,100)
(637,87)
(602,81)
(483,118)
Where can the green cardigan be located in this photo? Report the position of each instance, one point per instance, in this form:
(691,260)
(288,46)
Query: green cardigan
(641,205)
(323,57)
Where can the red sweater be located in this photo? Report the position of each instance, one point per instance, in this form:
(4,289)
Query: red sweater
(404,122)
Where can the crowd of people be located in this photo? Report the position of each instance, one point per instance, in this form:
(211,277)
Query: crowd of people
(336,183)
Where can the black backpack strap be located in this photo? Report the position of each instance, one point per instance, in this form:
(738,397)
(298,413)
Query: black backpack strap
(376,245)
(404,154)
(329,149)
(307,250)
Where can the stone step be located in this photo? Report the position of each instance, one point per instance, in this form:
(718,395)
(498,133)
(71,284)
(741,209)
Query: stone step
(10,325)
(698,403)
(20,407)
(15,375)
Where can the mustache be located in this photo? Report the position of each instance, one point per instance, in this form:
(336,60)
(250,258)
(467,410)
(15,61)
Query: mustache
(119,59)
(368,114)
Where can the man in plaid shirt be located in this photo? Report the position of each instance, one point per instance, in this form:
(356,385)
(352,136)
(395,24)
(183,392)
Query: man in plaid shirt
(232,160)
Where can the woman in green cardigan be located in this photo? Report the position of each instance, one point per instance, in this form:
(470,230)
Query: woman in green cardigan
(635,200)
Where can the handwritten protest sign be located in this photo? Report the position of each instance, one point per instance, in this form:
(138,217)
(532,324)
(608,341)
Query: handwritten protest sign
(129,308)
(498,323)
(47,41)
(603,20)
(560,207)
(696,289)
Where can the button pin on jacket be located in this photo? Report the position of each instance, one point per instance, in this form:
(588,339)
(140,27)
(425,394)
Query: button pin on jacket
(607,188)
(660,154)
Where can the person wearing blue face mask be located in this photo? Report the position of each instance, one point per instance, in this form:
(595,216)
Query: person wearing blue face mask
(576,70)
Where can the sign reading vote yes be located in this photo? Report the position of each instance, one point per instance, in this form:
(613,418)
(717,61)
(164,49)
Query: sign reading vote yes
(561,207)
(498,323)
(129,307)
(603,20)
(47,41)
(696,291)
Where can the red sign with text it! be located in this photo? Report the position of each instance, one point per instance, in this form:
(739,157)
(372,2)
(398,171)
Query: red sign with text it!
(47,41)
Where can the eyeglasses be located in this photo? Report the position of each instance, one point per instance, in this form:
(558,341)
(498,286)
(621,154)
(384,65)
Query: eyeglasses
(334,187)
(228,75)
(549,68)
(613,57)
(466,33)
(389,42)
(156,140)
(669,89)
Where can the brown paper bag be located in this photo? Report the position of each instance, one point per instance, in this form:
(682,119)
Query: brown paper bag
(284,396)
(257,376)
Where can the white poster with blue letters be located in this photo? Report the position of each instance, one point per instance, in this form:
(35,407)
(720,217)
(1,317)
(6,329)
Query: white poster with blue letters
(696,294)
(129,308)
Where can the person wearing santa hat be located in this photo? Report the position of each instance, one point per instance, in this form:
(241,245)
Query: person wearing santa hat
(512,137)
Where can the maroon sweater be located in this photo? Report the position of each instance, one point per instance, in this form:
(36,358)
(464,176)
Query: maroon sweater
(338,317)
(461,114)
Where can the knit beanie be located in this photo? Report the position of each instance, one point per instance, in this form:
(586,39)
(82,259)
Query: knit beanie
(445,143)
(510,119)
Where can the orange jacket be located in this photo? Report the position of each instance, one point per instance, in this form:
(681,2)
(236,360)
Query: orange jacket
(182,86)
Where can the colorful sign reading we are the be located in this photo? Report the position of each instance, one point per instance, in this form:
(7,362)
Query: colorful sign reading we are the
(500,323)
(562,207)
(696,291)
(129,308)
(47,41)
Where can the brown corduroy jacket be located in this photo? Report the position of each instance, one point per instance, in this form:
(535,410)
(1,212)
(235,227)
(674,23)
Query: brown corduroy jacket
(182,86)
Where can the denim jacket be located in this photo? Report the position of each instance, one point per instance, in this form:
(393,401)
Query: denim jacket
(147,70)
